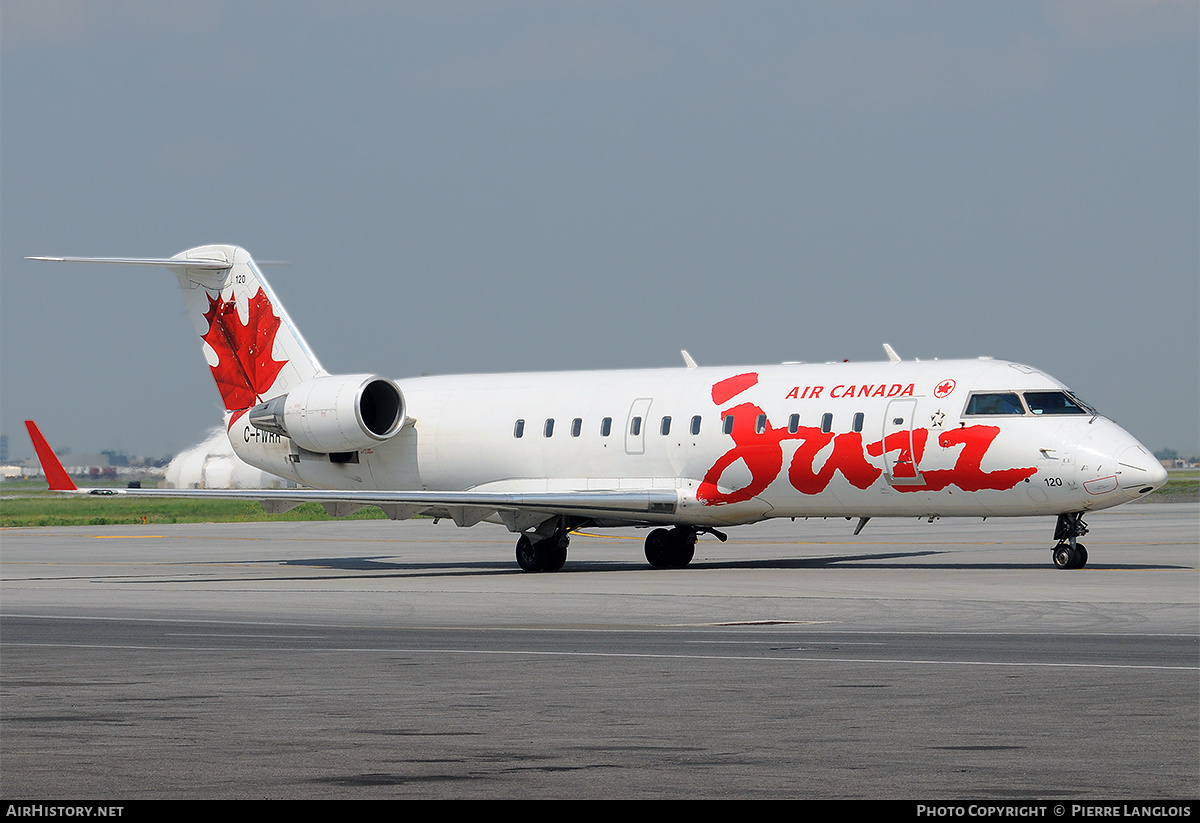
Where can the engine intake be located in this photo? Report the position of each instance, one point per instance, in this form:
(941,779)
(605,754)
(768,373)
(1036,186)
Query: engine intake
(336,413)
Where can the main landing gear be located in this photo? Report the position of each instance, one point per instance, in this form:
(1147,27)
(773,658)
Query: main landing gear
(537,554)
(665,548)
(1069,553)
(674,548)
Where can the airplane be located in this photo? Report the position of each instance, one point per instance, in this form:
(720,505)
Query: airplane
(683,452)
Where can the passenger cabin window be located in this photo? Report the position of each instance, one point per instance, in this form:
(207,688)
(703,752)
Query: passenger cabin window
(793,424)
(827,422)
(519,428)
(760,425)
(696,424)
(996,403)
(665,428)
(576,426)
(858,422)
(728,424)
(606,427)
(1053,402)
(635,426)
(548,431)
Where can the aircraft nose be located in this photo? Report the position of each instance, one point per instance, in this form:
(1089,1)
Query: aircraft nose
(1141,473)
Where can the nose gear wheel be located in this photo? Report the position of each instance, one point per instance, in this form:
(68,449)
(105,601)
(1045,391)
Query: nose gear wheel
(1069,553)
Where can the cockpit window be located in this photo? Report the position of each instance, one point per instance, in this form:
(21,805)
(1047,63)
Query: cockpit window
(995,403)
(1053,402)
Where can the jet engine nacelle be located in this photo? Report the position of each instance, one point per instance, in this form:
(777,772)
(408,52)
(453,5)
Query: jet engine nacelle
(335,413)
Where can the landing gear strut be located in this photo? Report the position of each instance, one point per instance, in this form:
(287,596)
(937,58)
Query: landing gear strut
(537,554)
(667,548)
(1069,553)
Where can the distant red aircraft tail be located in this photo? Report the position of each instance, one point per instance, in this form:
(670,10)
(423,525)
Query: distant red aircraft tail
(55,473)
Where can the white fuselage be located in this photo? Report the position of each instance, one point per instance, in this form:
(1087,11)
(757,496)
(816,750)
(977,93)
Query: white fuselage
(870,439)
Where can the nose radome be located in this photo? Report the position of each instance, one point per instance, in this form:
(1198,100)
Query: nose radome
(1141,472)
(1157,475)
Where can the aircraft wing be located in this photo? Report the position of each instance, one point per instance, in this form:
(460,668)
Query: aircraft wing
(465,508)
(518,510)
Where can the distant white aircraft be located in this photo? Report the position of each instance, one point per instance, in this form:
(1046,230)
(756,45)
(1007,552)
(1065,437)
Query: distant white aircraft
(212,464)
(683,451)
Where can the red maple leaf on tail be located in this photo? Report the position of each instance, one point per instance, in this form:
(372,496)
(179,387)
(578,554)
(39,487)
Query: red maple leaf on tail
(244,369)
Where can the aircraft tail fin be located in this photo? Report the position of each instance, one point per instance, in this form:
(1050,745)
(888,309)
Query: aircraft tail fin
(254,350)
(56,475)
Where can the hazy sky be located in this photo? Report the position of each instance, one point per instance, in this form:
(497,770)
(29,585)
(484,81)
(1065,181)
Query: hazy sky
(493,186)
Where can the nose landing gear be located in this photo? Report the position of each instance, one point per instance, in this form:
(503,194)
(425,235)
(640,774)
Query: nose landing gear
(1069,553)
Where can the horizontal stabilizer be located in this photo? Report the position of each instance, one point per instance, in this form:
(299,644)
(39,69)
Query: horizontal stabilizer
(192,263)
(251,345)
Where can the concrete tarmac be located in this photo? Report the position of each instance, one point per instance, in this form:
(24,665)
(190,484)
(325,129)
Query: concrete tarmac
(413,660)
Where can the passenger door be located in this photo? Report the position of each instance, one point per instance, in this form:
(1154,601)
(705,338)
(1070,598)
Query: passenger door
(899,456)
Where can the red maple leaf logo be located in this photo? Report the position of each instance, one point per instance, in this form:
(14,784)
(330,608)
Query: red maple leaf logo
(244,367)
(944,388)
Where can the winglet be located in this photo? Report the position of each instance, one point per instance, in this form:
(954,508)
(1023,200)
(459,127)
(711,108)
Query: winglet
(891,353)
(687,359)
(55,473)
